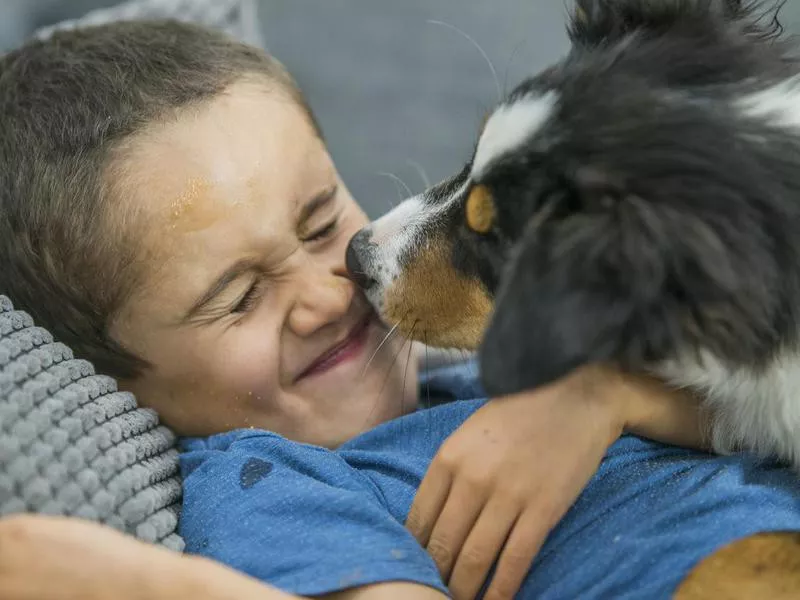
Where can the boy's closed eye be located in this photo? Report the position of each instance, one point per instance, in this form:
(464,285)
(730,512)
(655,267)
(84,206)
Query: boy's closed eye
(323,232)
(249,300)
(218,301)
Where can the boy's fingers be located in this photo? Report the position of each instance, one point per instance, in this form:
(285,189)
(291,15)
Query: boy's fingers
(458,517)
(428,503)
(515,561)
(482,548)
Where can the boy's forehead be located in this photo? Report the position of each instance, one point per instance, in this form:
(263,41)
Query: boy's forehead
(233,149)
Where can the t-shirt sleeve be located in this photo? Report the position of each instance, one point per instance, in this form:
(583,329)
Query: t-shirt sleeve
(295,516)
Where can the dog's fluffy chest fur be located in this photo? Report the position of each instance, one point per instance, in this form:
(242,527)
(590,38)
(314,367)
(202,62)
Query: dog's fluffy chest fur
(757,409)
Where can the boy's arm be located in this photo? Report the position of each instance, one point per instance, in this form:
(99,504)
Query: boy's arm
(203,579)
(652,410)
(505,478)
(389,591)
(59,558)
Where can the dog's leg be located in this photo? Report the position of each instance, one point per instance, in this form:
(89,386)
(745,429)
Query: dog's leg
(765,566)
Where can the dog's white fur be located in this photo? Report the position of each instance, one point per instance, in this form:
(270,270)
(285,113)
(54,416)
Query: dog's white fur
(759,411)
(510,126)
(778,105)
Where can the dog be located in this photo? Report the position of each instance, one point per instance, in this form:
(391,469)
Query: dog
(636,204)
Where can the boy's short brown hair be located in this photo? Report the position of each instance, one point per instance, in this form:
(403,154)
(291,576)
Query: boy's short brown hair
(65,106)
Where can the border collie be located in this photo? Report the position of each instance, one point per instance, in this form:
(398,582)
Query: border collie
(638,203)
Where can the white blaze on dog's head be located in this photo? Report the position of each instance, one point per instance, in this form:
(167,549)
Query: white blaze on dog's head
(392,235)
(403,230)
(510,126)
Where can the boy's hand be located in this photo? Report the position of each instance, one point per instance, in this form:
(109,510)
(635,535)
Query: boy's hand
(505,478)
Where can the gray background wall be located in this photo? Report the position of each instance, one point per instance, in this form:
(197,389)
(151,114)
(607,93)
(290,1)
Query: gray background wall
(389,88)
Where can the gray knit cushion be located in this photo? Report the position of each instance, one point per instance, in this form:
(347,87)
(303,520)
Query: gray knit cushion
(71,444)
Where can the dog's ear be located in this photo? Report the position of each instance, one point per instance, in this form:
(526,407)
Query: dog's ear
(568,297)
(612,277)
(552,315)
(590,284)
(597,22)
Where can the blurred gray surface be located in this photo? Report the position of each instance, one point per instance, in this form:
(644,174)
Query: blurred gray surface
(392,91)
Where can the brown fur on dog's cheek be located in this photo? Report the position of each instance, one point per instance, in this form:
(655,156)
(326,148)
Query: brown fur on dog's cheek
(435,304)
(759,567)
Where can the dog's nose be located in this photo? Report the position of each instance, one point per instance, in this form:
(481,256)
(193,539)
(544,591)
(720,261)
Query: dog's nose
(353,261)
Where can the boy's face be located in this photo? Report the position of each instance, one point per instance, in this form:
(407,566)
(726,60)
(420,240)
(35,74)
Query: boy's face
(246,312)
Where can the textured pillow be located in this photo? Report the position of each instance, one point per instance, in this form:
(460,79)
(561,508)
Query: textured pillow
(71,444)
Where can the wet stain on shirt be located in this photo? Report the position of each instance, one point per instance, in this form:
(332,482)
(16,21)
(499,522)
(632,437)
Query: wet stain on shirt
(253,471)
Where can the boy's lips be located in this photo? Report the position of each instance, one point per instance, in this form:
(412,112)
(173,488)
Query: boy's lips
(347,349)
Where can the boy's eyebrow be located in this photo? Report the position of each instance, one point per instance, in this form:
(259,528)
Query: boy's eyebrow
(227,277)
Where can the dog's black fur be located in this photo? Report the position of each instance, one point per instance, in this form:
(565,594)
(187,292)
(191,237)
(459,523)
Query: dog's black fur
(649,217)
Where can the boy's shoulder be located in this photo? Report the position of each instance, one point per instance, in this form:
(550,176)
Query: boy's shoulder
(239,440)
(300,517)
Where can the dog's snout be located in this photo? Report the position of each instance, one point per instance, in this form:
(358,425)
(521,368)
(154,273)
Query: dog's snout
(354,260)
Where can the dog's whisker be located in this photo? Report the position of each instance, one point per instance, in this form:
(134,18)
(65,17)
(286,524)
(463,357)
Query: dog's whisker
(408,360)
(480,49)
(389,372)
(378,349)
(397,180)
(421,172)
(427,383)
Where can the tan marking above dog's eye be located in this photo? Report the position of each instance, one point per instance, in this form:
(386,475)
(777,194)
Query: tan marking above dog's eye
(580,15)
(480,210)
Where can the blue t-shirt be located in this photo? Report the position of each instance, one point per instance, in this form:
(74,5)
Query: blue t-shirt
(313,521)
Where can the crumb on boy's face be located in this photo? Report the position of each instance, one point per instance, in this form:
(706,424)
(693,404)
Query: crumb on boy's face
(245,289)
